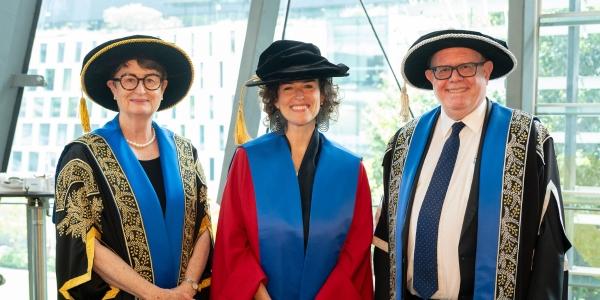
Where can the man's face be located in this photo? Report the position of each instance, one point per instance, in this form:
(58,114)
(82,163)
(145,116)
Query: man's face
(460,95)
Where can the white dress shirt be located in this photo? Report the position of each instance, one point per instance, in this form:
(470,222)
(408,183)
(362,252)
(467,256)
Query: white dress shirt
(455,203)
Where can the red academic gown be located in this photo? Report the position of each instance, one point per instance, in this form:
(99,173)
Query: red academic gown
(237,270)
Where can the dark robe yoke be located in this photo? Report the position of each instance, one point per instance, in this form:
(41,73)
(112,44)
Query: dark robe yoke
(103,193)
(512,241)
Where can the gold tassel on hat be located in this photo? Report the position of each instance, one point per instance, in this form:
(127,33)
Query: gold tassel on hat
(84,117)
(241,131)
(404,106)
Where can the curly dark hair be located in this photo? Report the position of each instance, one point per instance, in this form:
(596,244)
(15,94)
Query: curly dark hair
(277,123)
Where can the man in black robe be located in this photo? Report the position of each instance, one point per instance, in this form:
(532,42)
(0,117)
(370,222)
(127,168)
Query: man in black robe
(472,206)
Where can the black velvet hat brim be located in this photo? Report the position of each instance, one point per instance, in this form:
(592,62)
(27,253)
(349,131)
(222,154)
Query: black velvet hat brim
(288,60)
(418,57)
(102,62)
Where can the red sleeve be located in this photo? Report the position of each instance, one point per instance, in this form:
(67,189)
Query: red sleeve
(236,264)
(352,278)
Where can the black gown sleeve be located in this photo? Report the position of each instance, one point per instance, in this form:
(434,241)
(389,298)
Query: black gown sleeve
(204,224)
(548,274)
(381,259)
(77,215)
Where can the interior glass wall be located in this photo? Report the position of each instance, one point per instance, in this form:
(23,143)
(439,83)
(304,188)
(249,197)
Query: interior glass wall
(568,103)
(212,32)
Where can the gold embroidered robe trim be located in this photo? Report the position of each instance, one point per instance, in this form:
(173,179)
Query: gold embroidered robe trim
(187,169)
(131,220)
(512,202)
(398,161)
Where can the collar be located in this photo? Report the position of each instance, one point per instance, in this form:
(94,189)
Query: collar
(473,121)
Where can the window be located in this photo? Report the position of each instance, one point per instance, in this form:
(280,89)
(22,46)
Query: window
(33,162)
(16,161)
(232,41)
(26,134)
(23,110)
(44,134)
(60,55)
(61,135)
(49,79)
(63,38)
(55,107)
(78,131)
(220,74)
(73,107)
(192,107)
(66,86)
(200,74)
(201,137)
(221,137)
(38,106)
(78,46)
(212,169)
(568,104)
(43,52)
(210,43)
(211,107)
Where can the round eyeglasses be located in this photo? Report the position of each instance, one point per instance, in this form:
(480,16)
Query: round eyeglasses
(464,70)
(130,82)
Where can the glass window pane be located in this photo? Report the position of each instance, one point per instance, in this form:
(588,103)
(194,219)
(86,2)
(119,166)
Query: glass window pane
(66,80)
(44,134)
(562,6)
(558,60)
(55,107)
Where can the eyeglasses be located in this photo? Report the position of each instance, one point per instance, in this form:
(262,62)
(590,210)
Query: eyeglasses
(130,82)
(464,70)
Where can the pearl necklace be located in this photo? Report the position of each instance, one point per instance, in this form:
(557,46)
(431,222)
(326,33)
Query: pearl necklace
(144,145)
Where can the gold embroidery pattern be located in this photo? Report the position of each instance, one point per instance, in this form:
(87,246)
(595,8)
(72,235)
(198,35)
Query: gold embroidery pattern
(200,173)
(512,196)
(131,221)
(402,144)
(77,193)
(542,136)
(187,169)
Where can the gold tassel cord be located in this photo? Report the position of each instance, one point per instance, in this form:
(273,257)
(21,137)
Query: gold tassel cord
(84,117)
(241,131)
(404,105)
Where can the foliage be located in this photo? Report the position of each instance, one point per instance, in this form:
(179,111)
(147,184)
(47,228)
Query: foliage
(381,120)
(13,241)
(589,51)
(552,56)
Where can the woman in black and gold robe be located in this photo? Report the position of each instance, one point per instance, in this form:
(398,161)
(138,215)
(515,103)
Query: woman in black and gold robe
(132,218)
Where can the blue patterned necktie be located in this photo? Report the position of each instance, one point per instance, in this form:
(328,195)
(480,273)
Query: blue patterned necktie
(425,275)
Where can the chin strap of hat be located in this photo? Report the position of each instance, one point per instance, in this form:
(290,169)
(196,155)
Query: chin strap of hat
(405,110)
(84,116)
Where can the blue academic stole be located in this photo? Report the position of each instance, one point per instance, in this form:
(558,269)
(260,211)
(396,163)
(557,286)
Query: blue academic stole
(291,273)
(163,233)
(490,192)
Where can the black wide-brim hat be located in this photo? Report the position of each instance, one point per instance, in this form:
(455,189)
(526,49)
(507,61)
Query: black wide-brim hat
(287,60)
(417,59)
(100,63)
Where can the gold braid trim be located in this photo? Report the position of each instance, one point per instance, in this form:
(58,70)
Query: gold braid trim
(112,293)
(204,284)
(134,233)
(401,145)
(187,169)
(511,204)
